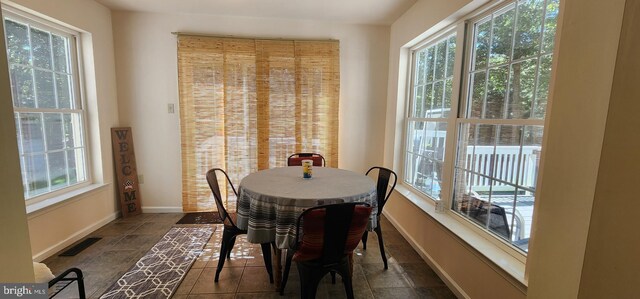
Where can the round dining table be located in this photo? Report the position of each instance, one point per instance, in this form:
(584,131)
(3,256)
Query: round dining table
(270,201)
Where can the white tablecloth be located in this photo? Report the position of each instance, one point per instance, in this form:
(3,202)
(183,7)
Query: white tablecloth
(270,201)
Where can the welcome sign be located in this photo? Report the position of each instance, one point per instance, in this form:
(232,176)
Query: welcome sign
(126,171)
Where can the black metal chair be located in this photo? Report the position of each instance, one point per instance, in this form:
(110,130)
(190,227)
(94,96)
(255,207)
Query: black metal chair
(63,280)
(231,231)
(487,215)
(296,159)
(330,233)
(383,192)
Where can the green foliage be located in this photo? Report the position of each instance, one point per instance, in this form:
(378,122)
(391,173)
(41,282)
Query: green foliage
(513,49)
(433,81)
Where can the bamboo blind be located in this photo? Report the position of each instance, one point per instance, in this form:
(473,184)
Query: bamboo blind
(246,105)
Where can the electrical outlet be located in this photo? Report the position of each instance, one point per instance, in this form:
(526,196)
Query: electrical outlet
(140,179)
(171,108)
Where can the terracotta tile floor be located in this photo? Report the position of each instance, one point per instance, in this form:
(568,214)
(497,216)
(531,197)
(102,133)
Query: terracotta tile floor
(124,241)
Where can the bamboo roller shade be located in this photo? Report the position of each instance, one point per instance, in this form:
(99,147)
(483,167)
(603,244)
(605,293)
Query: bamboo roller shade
(246,105)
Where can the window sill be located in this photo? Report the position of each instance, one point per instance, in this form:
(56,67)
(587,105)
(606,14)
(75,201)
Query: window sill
(63,199)
(500,258)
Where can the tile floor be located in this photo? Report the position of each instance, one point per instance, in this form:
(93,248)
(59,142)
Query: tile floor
(124,241)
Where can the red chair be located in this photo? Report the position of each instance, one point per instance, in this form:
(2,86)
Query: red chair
(330,233)
(296,159)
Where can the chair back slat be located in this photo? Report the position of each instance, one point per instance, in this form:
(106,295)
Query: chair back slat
(385,176)
(296,159)
(336,228)
(212,179)
(485,214)
(329,232)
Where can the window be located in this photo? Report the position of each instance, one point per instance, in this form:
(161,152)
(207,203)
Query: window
(430,109)
(499,126)
(47,106)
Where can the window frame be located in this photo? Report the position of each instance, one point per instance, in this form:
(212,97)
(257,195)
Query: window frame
(77,96)
(450,120)
(464,119)
(459,98)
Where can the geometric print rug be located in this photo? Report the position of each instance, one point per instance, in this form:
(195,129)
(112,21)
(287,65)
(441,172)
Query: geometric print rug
(159,272)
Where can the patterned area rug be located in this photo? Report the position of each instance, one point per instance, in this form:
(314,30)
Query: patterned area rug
(159,272)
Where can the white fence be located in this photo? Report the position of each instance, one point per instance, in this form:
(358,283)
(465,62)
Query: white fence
(505,164)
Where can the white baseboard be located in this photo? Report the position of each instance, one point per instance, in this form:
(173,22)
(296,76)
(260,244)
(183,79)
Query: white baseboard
(42,255)
(455,288)
(161,209)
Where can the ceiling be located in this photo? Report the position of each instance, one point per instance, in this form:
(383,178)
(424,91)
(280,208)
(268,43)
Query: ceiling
(379,12)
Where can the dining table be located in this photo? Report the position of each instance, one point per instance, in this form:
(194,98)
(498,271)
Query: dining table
(270,201)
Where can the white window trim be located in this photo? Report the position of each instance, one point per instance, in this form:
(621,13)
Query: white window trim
(464,97)
(45,205)
(495,248)
(45,200)
(450,120)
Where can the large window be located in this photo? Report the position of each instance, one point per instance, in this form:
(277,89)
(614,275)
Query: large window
(499,126)
(47,107)
(430,108)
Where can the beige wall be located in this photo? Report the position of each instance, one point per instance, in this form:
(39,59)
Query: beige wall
(15,249)
(56,227)
(611,262)
(576,122)
(147,81)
